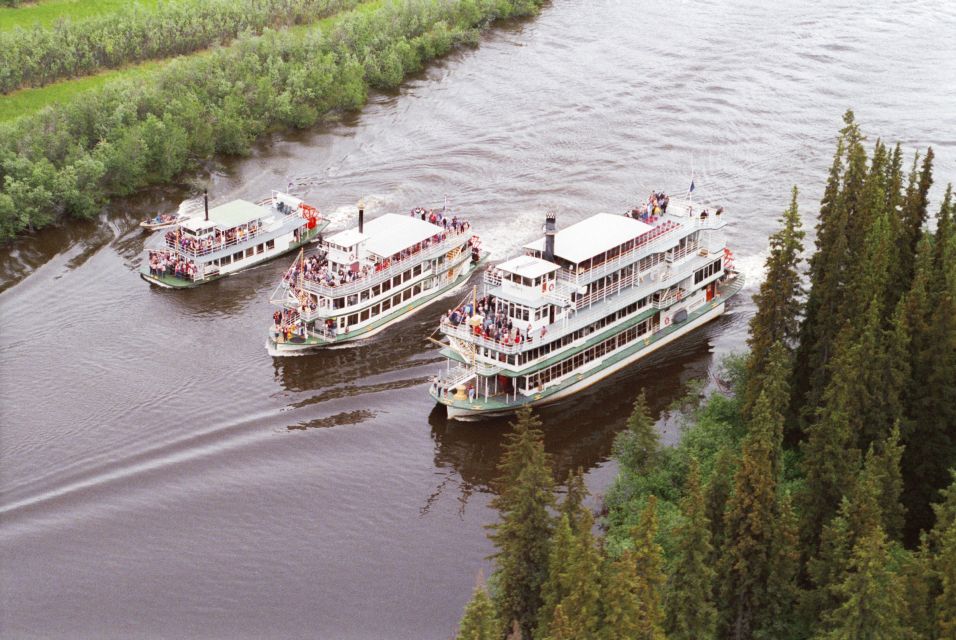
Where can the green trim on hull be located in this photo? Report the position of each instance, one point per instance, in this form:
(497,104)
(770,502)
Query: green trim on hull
(494,407)
(172,282)
(314,342)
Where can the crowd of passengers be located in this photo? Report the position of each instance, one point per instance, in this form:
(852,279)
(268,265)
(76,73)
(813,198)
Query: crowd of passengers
(289,324)
(438,217)
(316,268)
(484,322)
(167,263)
(211,242)
(655,206)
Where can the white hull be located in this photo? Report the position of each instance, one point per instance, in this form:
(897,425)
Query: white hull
(594,376)
(293,349)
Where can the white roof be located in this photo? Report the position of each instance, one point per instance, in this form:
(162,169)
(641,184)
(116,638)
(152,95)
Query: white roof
(528,266)
(226,216)
(347,238)
(390,233)
(592,236)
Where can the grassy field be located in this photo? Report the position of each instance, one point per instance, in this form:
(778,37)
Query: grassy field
(27,101)
(47,12)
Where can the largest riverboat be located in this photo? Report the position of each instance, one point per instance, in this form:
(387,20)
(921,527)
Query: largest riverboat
(581,304)
(229,238)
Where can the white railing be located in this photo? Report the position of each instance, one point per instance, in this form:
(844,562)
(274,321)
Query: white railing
(618,262)
(223,244)
(376,277)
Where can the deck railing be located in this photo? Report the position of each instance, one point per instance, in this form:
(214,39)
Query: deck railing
(224,244)
(376,277)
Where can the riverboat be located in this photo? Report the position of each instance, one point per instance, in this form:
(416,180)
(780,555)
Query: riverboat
(581,304)
(365,279)
(229,238)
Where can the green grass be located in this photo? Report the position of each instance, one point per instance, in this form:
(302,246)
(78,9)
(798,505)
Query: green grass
(27,101)
(47,12)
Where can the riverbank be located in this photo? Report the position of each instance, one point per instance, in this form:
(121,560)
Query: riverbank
(69,159)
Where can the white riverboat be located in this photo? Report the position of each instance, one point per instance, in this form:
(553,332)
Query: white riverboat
(581,304)
(367,278)
(229,238)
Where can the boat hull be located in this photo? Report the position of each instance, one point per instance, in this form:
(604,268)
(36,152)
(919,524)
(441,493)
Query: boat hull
(171,282)
(469,411)
(277,349)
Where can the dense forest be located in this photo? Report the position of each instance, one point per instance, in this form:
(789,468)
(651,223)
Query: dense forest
(35,57)
(69,158)
(817,501)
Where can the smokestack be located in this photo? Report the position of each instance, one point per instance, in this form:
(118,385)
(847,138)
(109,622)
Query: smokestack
(361,207)
(550,225)
(205,199)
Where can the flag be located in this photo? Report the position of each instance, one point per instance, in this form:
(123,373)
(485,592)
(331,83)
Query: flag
(691,190)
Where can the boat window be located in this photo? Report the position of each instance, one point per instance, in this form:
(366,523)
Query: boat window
(418,288)
(376,290)
(250,252)
(270,244)
(386,304)
(407,276)
(365,315)
(259,248)
(237,256)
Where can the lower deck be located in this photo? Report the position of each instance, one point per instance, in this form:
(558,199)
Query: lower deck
(467,393)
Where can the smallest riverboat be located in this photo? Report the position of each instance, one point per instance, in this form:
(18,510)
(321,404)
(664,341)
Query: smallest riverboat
(365,279)
(161,221)
(229,238)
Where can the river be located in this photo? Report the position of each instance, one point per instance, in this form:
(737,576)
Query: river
(162,476)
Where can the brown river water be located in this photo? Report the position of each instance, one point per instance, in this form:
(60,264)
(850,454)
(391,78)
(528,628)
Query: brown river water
(162,476)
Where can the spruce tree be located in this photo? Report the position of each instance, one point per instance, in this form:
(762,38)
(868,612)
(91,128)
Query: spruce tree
(873,606)
(480,621)
(560,627)
(716,496)
(691,614)
(884,463)
(575,495)
(582,605)
(945,604)
(648,561)
(929,426)
(827,273)
(914,213)
(622,611)
(777,619)
(749,527)
(636,448)
(526,495)
(778,301)
(830,456)
(560,581)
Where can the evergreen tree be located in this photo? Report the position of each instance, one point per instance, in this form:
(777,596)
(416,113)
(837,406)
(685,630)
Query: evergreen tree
(749,527)
(884,464)
(560,627)
(830,456)
(622,613)
(480,621)
(827,267)
(929,428)
(649,571)
(873,606)
(778,301)
(573,505)
(559,583)
(637,447)
(718,493)
(914,213)
(691,614)
(946,601)
(526,495)
(582,605)
(777,619)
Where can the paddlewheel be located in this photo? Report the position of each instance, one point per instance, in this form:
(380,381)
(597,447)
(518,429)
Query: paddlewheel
(728,260)
(310,213)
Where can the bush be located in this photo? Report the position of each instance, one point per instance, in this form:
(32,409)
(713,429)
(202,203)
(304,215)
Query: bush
(68,159)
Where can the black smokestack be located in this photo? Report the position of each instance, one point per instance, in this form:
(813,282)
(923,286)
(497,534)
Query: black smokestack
(361,207)
(205,200)
(550,225)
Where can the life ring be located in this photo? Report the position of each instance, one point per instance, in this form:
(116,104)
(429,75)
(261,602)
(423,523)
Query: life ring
(351,257)
(667,321)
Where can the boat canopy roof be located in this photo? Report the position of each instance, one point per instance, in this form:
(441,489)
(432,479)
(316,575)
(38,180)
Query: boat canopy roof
(593,236)
(528,266)
(391,233)
(226,216)
(347,239)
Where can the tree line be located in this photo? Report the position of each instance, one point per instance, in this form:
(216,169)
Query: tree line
(818,501)
(68,159)
(38,56)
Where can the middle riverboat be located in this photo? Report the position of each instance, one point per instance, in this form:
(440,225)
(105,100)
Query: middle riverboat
(364,279)
(581,304)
